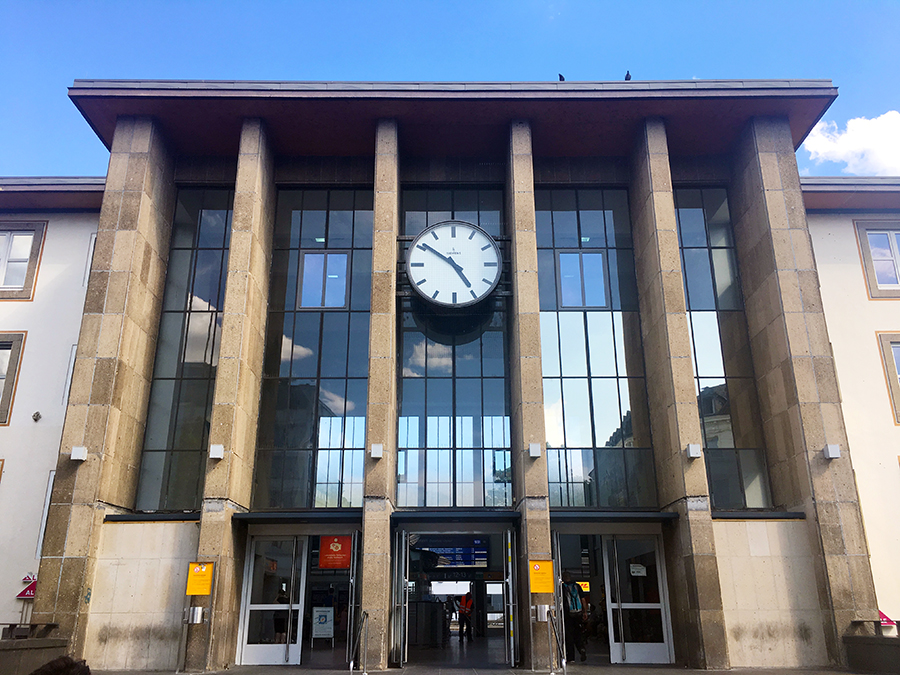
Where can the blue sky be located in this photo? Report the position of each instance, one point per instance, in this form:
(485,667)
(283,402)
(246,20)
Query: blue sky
(45,45)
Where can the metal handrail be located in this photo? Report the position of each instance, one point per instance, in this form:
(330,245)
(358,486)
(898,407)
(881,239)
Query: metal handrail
(363,622)
(560,651)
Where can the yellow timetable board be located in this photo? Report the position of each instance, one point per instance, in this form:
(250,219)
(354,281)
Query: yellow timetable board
(200,578)
(541,576)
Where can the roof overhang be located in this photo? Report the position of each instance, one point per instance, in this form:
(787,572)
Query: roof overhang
(702,117)
(851,193)
(29,194)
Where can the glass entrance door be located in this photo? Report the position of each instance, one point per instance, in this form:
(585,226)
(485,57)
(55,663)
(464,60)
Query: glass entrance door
(639,627)
(273,604)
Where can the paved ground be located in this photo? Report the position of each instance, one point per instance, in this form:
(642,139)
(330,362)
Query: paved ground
(426,670)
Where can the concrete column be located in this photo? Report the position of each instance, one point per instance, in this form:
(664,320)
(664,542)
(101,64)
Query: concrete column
(796,380)
(381,412)
(531,491)
(692,568)
(235,410)
(113,366)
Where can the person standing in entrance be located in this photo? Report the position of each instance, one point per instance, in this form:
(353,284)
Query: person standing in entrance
(466,609)
(576,614)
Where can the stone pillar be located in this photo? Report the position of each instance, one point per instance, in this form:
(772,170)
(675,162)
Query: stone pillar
(235,411)
(113,367)
(796,380)
(531,491)
(692,569)
(381,412)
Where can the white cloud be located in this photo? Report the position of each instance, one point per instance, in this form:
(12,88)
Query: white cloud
(290,351)
(868,146)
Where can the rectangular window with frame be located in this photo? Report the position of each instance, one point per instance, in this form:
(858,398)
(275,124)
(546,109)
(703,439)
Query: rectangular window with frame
(10,357)
(20,250)
(890,354)
(879,244)
(599,451)
(311,441)
(723,369)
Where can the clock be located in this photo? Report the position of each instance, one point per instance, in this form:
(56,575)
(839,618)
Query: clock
(453,264)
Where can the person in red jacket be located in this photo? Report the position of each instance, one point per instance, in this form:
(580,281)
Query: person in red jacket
(466,609)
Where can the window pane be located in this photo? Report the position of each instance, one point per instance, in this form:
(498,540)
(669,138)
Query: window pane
(715,413)
(543,218)
(718,222)
(312,283)
(340,219)
(547,279)
(590,215)
(570,280)
(553,414)
(362,219)
(565,224)
(305,347)
(312,230)
(361,280)
(895,349)
(724,479)
(885,272)
(212,228)
(618,221)
(699,279)
(467,358)
(336,280)
(5,351)
(572,344)
(15,274)
(21,247)
(159,415)
(594,280)
(334,344)
(691,229)
(727,288)
(358,350)
(490,204)
(607,420)
(576,413)
(493,360)
(880,245)
(550,345)
(753,474)
(707,348)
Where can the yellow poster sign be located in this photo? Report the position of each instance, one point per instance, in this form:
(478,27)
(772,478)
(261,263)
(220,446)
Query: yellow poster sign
(200,578)
(541,574)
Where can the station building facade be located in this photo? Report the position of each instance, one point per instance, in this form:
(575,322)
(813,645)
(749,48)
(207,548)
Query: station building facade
(291,366)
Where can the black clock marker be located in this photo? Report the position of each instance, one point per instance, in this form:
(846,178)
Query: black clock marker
(485,247)
(471,234)
(419,283)
(487,264)
(487,281)
(419,264)
(434,234)
(453,235)
(435,295)
(473,294)
(454,298)
(421,247)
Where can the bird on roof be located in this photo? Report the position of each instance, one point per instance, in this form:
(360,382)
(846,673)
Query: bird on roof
(561,78)
(627,75)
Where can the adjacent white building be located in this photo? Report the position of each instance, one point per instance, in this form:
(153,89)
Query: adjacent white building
(47,231)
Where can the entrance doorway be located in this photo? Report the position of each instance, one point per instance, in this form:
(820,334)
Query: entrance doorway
(301,600)
(622,578)
(432,573)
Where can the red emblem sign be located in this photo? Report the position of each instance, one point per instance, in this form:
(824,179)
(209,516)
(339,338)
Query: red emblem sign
(28,592)
(334,553)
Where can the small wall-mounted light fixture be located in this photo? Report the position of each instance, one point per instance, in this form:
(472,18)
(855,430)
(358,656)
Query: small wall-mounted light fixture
(37,416)
(832,451)
(79,453)
(694,451)
(217,451)
(534,449)
(376,450)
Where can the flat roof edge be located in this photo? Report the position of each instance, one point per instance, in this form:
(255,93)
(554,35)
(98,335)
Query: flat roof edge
(89,86)
(849,183)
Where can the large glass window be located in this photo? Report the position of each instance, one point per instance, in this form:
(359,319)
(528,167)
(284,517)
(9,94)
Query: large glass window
(187,353)
(726,388)
(453,436)
(10,356)
(20,248)
(595,401)
(312,424)
(879,244)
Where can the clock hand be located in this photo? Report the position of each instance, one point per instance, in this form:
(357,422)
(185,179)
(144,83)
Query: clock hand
(450,261)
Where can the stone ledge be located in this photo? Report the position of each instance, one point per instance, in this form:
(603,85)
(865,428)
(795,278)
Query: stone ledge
(873,653)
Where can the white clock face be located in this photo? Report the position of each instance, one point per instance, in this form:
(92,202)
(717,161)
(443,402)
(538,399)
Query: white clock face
(453,264)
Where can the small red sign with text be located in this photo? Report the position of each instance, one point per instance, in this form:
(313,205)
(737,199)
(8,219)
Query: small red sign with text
(28,592)
(334,553)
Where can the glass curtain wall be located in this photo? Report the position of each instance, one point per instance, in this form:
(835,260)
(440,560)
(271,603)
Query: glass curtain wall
(723,369)
(187,353)
(595,398)
(312,420)
(453,435)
